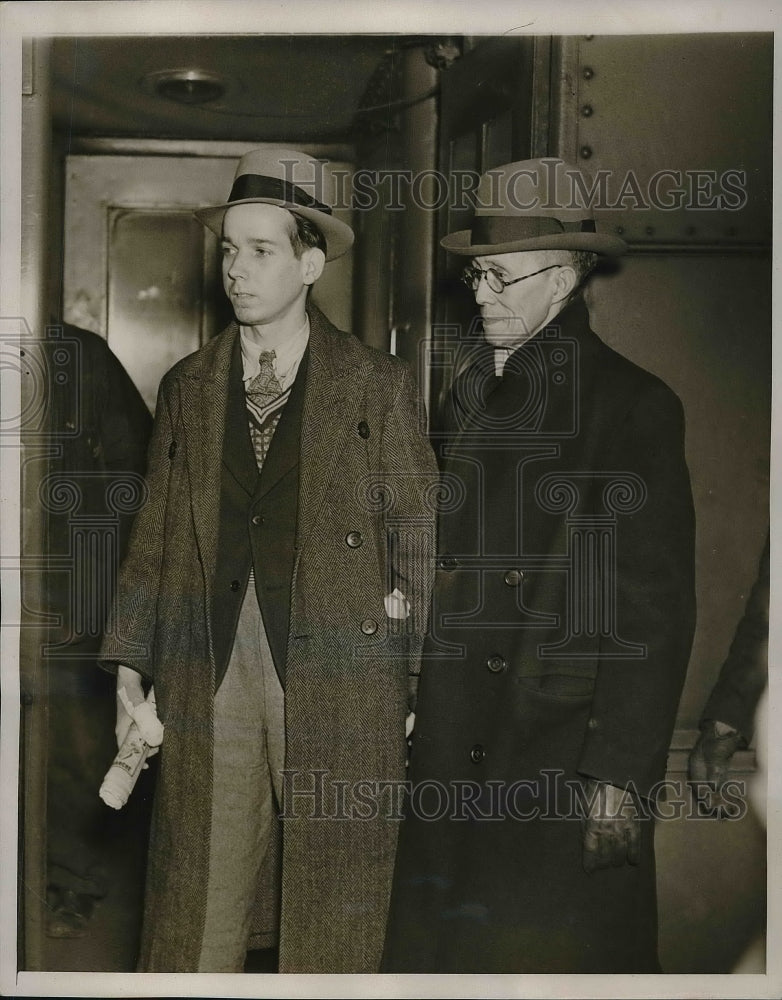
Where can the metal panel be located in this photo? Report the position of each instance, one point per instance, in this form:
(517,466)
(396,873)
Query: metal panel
(701,322)
(155,291)
(699,106)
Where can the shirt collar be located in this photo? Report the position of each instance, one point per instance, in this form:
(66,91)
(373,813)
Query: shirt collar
(501,355)
(288,354)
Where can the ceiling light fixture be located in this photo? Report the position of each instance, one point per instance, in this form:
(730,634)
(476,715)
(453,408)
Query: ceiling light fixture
(185,86)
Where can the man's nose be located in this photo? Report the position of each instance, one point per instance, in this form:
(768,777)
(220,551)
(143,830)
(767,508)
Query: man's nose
(236,266)
(484,294)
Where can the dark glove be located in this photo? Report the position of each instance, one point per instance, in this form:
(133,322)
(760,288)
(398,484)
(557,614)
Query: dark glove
(710,757)
(611,827)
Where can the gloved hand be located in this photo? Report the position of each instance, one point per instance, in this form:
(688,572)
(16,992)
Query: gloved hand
(132,706)
(710,757)
(611,828)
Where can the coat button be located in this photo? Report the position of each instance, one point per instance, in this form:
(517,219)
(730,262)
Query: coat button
(496,663)
(447,563)
(172,449)
(513,577)
(369,626)
(257,519)
(354,539)
(235,585)
(363,429)
(477,754)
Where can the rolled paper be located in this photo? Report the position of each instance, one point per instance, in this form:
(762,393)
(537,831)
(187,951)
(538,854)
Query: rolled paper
(124,771)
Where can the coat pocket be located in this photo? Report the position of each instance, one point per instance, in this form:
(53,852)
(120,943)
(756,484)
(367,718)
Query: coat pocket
(564,686)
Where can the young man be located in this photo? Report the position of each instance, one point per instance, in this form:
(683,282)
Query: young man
(562,619)
(264,599)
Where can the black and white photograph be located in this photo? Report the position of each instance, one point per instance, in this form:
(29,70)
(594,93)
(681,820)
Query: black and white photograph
(387,537)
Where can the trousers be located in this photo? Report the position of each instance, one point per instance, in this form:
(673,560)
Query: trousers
(249,755)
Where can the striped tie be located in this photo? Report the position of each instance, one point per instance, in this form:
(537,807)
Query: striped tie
(265,400)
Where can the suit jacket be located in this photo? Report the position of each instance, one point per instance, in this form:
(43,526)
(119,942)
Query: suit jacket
(257,520)
(365,472)
(561,627)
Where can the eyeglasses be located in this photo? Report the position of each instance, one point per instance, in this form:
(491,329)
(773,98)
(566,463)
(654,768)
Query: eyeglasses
(472,275)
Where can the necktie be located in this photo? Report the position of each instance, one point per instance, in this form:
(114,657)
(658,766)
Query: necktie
(265,400)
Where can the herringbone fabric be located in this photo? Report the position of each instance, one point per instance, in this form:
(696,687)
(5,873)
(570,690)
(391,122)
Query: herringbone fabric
(345,686)
(265,400)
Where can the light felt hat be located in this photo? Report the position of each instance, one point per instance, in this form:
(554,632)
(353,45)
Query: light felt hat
(288,179)
(532,205)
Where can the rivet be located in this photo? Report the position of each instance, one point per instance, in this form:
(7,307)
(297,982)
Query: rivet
(587,72)
(587,110)
(690,230)
(649,230)
(585,152)
(732,231)
(620,229)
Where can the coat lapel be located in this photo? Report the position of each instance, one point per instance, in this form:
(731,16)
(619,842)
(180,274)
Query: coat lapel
(331,400)
(237,452)
(204,404)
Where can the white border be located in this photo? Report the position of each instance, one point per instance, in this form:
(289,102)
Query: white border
(162,17)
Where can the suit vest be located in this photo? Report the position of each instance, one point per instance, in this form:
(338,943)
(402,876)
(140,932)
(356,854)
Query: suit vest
(258,513)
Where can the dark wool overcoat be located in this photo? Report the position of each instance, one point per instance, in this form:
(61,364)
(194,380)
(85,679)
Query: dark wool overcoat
(365,475)
(561,629)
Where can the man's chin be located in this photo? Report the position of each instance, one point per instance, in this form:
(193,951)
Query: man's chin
(247,317)
(498,335)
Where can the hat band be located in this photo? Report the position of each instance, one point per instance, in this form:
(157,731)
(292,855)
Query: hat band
(248,186)
(497,229)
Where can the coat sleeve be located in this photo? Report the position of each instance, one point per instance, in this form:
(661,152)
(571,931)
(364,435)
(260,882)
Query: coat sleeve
(651,576)
(744,674)
(411,476)
(129,639)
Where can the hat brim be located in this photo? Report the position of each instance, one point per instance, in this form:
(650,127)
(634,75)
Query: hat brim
(610,246)
(337,234)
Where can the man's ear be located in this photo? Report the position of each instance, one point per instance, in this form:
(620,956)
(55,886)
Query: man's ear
(313,261)
(565,281)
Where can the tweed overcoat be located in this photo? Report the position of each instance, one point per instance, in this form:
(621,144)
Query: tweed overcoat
(561,627)
(366,472)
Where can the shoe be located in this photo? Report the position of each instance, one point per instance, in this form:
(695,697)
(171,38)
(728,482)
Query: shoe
(69,915)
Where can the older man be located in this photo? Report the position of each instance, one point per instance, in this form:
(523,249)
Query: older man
(274,595)
(562,620)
